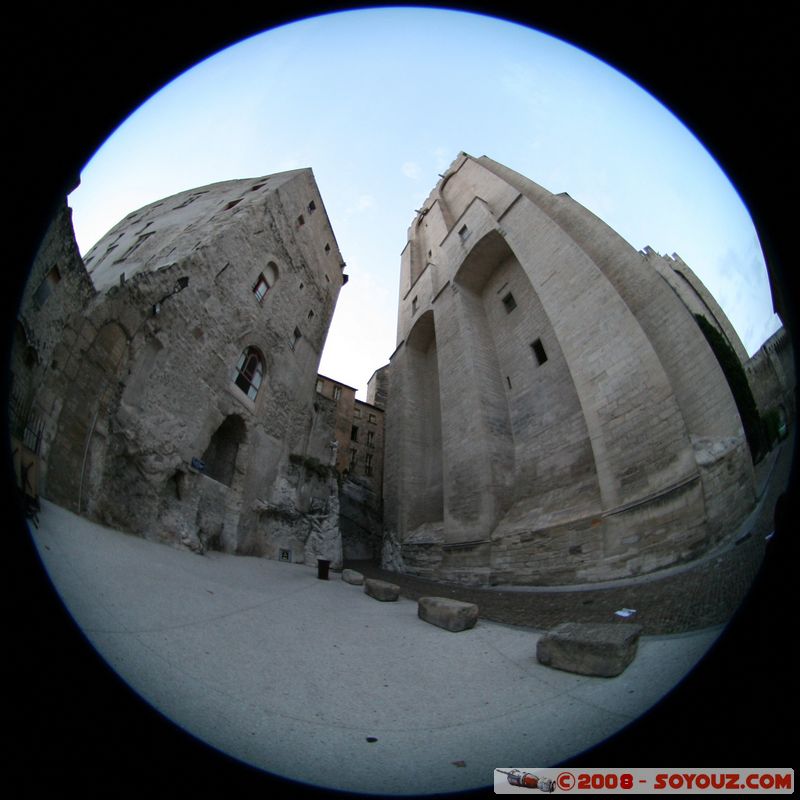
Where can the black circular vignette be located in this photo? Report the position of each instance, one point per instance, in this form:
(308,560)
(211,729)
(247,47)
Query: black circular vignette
(72,76)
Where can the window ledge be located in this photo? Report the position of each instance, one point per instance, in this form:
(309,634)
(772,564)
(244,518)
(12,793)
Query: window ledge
(239,395)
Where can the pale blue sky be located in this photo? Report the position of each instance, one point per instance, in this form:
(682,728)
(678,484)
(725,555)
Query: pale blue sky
(379,101)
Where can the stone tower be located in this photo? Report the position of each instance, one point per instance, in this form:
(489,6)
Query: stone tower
(554,413)
(180,401)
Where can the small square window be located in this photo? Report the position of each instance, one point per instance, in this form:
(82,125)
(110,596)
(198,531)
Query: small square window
(463,233)
(372,418)
(509,303)
(357,413)
(301,220)
(538,351)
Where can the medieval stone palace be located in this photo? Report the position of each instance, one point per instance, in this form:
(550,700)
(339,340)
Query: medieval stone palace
(553,412)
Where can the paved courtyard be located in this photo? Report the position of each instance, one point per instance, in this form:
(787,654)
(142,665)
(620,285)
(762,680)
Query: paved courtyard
(317,682)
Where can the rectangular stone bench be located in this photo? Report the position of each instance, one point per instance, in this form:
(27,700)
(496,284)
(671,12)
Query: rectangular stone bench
(603,650)
(452,615)
(381,590)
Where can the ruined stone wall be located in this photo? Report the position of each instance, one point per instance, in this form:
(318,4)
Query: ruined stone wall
(568,380)
(58,287)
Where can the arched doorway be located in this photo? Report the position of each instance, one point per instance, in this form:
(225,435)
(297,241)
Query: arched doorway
(220,455)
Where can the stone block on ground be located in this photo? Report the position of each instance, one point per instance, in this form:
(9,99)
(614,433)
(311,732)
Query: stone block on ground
(381,590)
(351,576)
(452,615)
(603,650)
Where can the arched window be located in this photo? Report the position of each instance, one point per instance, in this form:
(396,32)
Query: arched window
(249,372)
(265,281)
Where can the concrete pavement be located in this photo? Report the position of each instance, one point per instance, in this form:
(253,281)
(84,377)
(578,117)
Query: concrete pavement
(298,676)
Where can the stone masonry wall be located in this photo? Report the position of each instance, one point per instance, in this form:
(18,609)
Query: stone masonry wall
(575,444)
(146,377)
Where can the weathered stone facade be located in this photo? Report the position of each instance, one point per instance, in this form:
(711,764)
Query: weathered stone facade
(179,397)
(554,414)
(771,375)
(359,437)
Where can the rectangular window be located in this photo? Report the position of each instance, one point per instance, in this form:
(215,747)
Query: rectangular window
(353,454)
(312,207)
(414,306)
(509,303)
(463,233)
(371,438)
(372,418)
(337,392)
(320,385)
(538,351)
(357,412)
(368,464)
(354,433)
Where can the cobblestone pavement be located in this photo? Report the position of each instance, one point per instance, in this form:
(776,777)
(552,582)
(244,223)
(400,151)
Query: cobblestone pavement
(698,597)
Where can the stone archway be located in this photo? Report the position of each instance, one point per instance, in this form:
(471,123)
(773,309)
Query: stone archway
(220,455)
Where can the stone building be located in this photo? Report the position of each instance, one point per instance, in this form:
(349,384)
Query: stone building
(178,388)
(771,375)
(344,399)
(554,414)
(359,436)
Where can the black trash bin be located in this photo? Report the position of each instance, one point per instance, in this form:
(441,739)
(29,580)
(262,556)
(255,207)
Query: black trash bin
(322,568)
